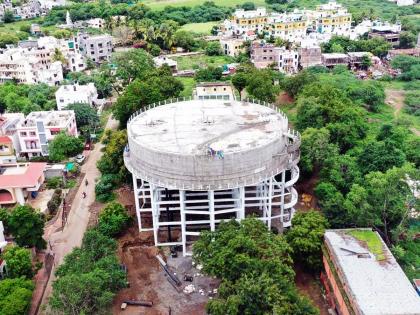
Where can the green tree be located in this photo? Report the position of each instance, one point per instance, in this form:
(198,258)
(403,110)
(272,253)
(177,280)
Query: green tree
(404,63)
(241,248)
(15,296)
(331,202)
(85,115)
(407,40)
(239,81)
(8,16)
(380,156)
(384,201)
(255,267)
(185,40)
(155,88)
(27,227)
(209,74)
(112,161)
(260,85)
(6,39)
(213,49)
(18,262)
(342,171)
(306,238)
(131,65)
(113,219)
(105,186)
(64,146)
(315,148)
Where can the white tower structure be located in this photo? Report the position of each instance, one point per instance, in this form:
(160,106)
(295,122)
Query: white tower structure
(198,162)
(69,22)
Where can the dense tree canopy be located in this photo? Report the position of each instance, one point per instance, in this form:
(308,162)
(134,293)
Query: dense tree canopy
(27,226)
(306,238)
(19,263)
(113,219)
(89,277)
(64,146)
(85,115)
(158,86)
(255,267)
(15,296)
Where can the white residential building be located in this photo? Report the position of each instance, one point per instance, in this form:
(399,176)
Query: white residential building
(8,127)
(29,66)
(3,244)
(288,62)
(96,47)
(75,93)
(38,128)
(96,23)
(163,60)
(232,46)
(214,91)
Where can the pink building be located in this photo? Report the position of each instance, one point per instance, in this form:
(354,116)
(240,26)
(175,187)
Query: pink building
(18,181)
(38,128)
(264,55)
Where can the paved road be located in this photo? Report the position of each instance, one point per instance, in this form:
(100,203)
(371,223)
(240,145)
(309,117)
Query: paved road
(63,242)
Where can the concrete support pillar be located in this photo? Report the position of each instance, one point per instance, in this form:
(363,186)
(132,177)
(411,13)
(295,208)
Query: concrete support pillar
(154,194)
(270,200)
(20,199)
(241,213)
(136,200)
(283,181)
(211,210)
(182,212)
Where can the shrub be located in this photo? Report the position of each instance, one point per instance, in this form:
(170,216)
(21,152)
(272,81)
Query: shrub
(54,182)
(18,262)
(104,187)
(54,202)
(113,219)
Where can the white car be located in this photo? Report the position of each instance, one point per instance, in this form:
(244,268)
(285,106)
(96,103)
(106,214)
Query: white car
(80,158)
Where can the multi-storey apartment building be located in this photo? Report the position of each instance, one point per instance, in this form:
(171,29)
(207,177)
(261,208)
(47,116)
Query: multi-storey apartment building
(38,128)
(96,47)
(267,55)
(29,66)
(331,18)
(75,93)
(264,55)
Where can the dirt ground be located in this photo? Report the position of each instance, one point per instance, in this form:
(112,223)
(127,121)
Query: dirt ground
(395,99)
(147,279)
(308,285)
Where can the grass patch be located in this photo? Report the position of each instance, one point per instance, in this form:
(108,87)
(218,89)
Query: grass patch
(161,4)
(372,241)
(201,61)
(200,28)
(189,84)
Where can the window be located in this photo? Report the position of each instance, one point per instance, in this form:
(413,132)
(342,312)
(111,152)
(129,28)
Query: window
(32,133)
(23,134)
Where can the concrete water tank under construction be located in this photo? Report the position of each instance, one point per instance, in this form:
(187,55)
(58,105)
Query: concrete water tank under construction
(198,162)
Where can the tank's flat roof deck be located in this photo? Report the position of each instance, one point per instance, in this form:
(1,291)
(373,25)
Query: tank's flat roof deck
(190,127)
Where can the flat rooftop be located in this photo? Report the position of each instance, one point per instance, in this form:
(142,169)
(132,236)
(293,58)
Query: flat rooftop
(375,281)
(190,127)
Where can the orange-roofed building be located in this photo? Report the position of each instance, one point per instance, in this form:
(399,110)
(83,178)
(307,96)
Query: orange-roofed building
(18,181)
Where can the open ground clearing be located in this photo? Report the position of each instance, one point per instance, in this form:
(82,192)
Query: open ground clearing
(200,28)
(160,4)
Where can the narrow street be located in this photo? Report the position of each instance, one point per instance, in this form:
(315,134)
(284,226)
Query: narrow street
(63,241)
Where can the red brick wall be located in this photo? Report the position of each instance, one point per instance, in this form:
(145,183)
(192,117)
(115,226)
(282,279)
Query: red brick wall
(340,304)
